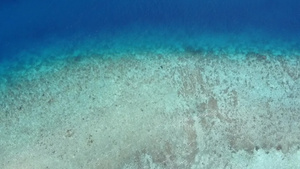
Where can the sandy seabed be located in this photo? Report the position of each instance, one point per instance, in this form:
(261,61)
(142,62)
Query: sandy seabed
(195,109)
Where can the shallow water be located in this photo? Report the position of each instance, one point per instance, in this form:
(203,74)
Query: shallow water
(149,85)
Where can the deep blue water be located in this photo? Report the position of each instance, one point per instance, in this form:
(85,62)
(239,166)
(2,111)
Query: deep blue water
(26,23)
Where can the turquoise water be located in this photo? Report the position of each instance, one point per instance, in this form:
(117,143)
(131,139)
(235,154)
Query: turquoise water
(172,84)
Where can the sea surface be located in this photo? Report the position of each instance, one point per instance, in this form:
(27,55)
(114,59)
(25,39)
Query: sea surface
(30,24)
(149,84)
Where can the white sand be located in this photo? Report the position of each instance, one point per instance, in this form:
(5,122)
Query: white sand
(186,109)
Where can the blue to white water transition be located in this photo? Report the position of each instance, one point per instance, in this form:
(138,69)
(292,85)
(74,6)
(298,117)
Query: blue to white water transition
(160,84)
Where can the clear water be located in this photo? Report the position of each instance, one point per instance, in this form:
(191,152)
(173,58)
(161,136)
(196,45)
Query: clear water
(149,84)
(26,24)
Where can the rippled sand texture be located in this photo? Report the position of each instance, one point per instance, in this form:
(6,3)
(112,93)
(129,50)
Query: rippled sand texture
(195,109)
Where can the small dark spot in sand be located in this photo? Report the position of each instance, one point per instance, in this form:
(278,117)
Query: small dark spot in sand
(279,147)
(69,133)
(90,140)
(256,148)
(77,58)
(20,107)
(192,50)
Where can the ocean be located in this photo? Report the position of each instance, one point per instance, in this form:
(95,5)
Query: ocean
(149,84)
